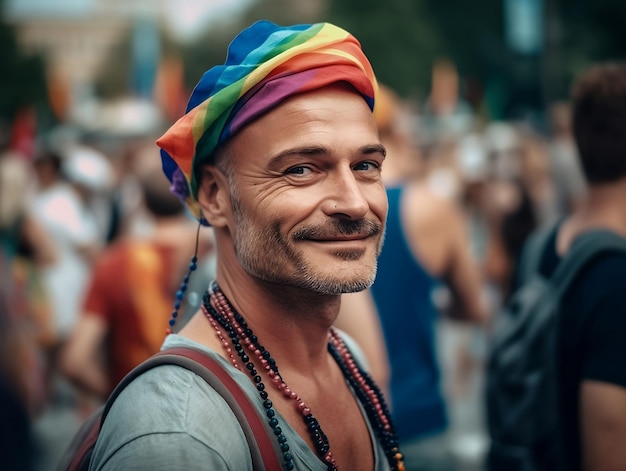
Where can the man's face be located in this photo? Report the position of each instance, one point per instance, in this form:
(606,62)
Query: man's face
(308,202)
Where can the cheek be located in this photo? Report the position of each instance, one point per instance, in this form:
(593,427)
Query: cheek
(378,202)
(292,204)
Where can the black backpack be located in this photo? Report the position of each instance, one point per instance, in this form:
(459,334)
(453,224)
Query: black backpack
(522,372)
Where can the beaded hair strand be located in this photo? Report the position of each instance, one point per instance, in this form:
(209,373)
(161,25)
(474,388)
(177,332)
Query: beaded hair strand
(180,294)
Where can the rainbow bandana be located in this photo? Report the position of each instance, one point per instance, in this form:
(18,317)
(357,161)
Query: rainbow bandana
(265,65)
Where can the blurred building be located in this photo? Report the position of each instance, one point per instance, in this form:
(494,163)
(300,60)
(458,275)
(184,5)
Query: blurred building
(76,37)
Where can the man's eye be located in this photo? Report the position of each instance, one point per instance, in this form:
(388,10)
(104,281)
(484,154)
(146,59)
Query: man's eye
(366,166)
(298,170)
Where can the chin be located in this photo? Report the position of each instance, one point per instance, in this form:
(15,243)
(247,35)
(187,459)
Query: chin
(338,285)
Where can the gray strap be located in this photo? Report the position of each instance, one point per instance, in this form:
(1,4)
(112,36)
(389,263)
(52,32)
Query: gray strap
(262,447)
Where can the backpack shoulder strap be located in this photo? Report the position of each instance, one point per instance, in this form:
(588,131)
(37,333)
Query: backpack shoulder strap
(583,249)
(264,456)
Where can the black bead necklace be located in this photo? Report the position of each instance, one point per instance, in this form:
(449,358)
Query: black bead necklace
(371,397)
(220,313)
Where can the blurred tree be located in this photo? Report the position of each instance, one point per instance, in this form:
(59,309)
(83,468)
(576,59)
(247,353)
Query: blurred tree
(210,48)
(472,36)
(589,32)
(399,37)
(403,39)
(285,12)
(207,50)
(22,80)
(397,26)
(113,81)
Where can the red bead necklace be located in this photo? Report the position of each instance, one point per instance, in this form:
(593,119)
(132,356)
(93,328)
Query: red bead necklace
(222,315)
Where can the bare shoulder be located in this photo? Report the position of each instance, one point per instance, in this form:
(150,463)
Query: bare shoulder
(433,226)
(423,206)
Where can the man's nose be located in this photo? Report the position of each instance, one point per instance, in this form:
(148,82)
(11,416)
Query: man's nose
(347,196)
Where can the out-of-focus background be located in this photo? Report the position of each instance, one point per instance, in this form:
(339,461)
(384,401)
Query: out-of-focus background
(87,85)
(69,58)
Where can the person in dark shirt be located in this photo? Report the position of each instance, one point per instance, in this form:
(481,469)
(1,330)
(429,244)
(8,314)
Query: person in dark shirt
(17,443)
(592,326)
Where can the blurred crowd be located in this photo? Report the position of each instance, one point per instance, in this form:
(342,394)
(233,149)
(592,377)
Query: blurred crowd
(68,206)
(93,248)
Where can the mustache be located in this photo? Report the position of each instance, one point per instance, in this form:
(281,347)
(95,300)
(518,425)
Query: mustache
(341,227)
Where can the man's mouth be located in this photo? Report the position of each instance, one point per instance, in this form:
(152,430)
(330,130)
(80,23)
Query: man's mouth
(340,231)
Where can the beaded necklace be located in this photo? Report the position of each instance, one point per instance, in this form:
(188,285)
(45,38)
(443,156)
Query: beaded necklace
(222,315)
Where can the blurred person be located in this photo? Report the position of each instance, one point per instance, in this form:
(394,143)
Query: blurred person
(511,218)
(442,171)
(25,251)
(486,200)
(24,319)
(134,159)
(17,225)
(590,348)
(426,248)
(91,174)
(71,228)
(24,245)
(445,115)
(474,174)
(568,178)
(511,208)
(130,296)
(278,151)
(538,176)
(17,442)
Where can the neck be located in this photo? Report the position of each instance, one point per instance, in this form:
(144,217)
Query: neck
(276,313)
(603,208)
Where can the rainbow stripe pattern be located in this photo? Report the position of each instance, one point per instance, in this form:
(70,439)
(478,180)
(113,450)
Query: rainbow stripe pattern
(265,65)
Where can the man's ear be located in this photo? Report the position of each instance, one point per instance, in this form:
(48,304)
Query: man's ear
(214,196)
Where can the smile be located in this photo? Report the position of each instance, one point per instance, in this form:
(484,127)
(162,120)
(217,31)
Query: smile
(343,238)
(341,232)
(344,243)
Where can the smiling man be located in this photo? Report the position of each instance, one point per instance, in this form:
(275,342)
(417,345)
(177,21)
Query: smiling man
(279,153)
(307,210)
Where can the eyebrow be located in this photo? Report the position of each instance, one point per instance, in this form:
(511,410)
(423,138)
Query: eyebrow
(278,159)
(374,149)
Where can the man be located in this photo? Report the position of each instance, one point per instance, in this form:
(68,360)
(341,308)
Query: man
(591,350)
(426,249)
(279,153)
(120,316)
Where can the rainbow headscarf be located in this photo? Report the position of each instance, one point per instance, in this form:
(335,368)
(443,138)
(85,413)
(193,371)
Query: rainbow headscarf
(265,64)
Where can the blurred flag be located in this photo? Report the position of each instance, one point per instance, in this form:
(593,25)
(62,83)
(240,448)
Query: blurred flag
(170,93)
(145,56)
(523,21)
(58,96)
(23,132)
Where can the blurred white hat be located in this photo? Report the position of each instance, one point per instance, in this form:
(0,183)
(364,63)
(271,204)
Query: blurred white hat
(472,158)
(501,137)
(89,168)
